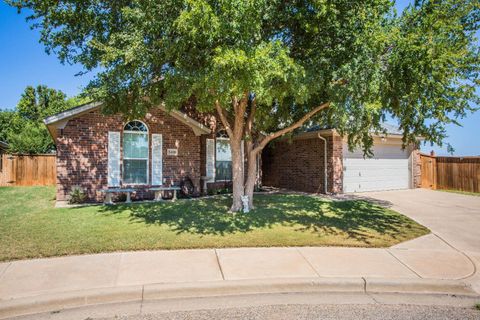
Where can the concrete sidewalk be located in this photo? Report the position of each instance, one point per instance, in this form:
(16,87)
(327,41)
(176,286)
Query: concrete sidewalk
(424,258)
(423,265)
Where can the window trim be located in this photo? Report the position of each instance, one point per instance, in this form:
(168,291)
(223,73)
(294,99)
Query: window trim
(147,133)
(222,180)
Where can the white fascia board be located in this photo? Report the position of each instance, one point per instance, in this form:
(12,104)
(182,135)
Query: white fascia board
(70,113)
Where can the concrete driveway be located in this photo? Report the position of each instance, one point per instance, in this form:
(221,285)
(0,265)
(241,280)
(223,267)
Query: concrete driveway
(453,217)
(454,220)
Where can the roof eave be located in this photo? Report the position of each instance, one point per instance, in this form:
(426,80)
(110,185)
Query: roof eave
(59,120)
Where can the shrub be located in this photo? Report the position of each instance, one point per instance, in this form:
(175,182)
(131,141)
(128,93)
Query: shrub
(77,195)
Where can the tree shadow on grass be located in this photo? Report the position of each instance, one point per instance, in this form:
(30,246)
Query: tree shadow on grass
(355,219)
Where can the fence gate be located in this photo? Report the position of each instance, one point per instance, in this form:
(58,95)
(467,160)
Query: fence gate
(26,170)
(456,173)
(429,172)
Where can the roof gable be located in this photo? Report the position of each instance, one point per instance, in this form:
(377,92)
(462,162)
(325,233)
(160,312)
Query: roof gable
(59,120)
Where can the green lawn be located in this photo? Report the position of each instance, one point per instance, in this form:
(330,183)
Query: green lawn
(31,227)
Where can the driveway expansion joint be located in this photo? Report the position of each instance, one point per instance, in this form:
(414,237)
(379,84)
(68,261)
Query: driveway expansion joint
(405,265)
(308,262)
(5,270)
(219,264)
(474,272)
(364,285)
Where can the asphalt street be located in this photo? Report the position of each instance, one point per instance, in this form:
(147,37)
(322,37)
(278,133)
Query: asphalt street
(321,312)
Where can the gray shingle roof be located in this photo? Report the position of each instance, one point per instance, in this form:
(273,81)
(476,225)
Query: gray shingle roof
(390,128)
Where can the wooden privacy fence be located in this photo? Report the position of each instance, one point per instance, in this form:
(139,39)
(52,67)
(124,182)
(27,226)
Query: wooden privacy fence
(26,170)
(456,173)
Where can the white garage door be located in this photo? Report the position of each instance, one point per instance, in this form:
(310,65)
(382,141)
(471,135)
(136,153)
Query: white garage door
(388,170)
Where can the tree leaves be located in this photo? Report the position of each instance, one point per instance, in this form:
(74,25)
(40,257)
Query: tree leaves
(420,67)
(23,128)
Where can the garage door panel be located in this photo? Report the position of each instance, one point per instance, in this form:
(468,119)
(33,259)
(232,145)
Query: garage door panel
(358,172)
(374,174)
(373,186)
(384,181)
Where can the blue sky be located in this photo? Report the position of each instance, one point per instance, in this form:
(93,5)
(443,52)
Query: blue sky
(23,62)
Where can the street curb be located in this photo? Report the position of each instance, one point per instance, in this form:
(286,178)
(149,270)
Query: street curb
(418,286)
(152,292)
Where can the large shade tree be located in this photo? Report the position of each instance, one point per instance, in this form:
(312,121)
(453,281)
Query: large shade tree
(267,67)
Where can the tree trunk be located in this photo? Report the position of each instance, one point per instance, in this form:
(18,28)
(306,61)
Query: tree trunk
(251,177)
(236,134)
(237,175)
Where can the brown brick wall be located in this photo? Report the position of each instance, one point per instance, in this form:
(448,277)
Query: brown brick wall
(335,164)
(299,164)
(82,152)
(417,169)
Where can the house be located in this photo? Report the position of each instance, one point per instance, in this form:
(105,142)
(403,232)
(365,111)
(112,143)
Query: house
(97,151)
(319,161)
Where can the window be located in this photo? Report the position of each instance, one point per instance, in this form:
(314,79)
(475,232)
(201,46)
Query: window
(223,158)
(135,153)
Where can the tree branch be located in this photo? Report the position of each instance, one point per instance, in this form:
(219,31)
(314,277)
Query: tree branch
(251,116)
(223,118)
(290,128)
(240,107)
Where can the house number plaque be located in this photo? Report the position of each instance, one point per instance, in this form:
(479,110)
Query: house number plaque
(172,152)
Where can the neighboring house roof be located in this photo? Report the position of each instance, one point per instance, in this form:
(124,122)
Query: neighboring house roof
(3,145)
(59,120)
(390,129)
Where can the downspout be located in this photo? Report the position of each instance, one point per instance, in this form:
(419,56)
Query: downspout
(325,175)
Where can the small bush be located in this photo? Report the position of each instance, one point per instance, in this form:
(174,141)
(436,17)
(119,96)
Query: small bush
(77,195)
(477,306)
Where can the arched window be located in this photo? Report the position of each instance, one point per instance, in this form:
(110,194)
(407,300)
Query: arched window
(223,157)
(135,153)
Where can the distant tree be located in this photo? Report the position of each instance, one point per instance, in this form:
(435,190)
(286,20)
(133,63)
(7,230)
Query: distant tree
(37,103)
(23,129)
(271,66)
(6,123)
(78,100)
(32,138)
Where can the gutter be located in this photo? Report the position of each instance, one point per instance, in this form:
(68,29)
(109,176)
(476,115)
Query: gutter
(325,175)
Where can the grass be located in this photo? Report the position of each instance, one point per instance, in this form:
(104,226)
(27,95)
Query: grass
(31,227)
(477,194)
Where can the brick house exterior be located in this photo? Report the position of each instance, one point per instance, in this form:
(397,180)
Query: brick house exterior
(81,137)
(298,164)
(82,151)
